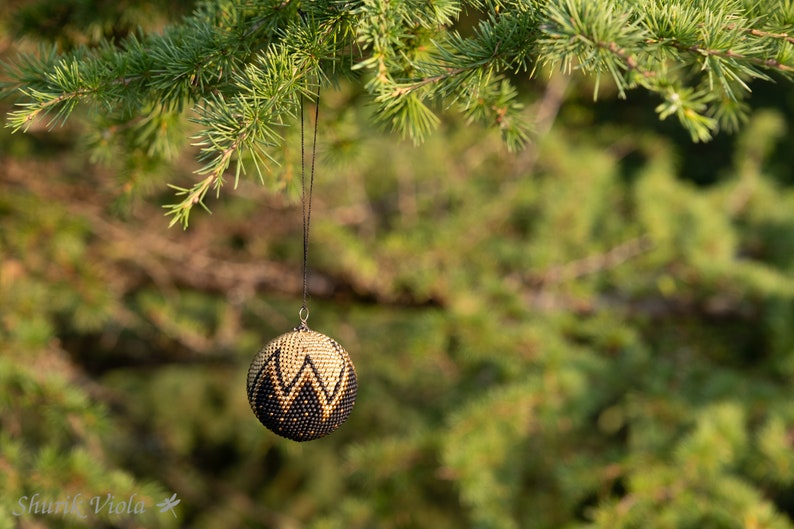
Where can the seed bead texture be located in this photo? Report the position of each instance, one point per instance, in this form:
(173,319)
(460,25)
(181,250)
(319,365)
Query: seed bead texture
(302,385)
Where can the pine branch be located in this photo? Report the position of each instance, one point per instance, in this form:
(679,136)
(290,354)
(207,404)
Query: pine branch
(241,66)
(591,264)
(759,33)
(659,42)
(732,55)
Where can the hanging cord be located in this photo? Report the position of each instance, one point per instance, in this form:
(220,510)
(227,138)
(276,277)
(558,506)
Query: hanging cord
(306,203)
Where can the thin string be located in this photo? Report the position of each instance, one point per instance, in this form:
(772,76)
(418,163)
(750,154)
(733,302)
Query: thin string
(306,203)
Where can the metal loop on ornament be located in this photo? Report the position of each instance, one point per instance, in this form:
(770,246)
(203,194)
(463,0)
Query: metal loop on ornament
(303,314)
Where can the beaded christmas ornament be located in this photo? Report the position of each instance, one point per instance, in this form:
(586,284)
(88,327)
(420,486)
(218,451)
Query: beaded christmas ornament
(302,385)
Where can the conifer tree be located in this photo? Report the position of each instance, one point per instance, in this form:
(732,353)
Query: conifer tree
(238,69)
(575,336)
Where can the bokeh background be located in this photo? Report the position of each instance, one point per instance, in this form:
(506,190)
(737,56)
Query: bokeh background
(594,332)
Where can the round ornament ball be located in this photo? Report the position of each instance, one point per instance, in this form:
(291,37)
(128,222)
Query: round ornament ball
(302,385)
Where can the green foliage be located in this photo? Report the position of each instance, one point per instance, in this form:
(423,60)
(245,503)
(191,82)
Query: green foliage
(241,68)
(575,335)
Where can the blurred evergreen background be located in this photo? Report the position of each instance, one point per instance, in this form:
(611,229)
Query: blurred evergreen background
(594,332)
